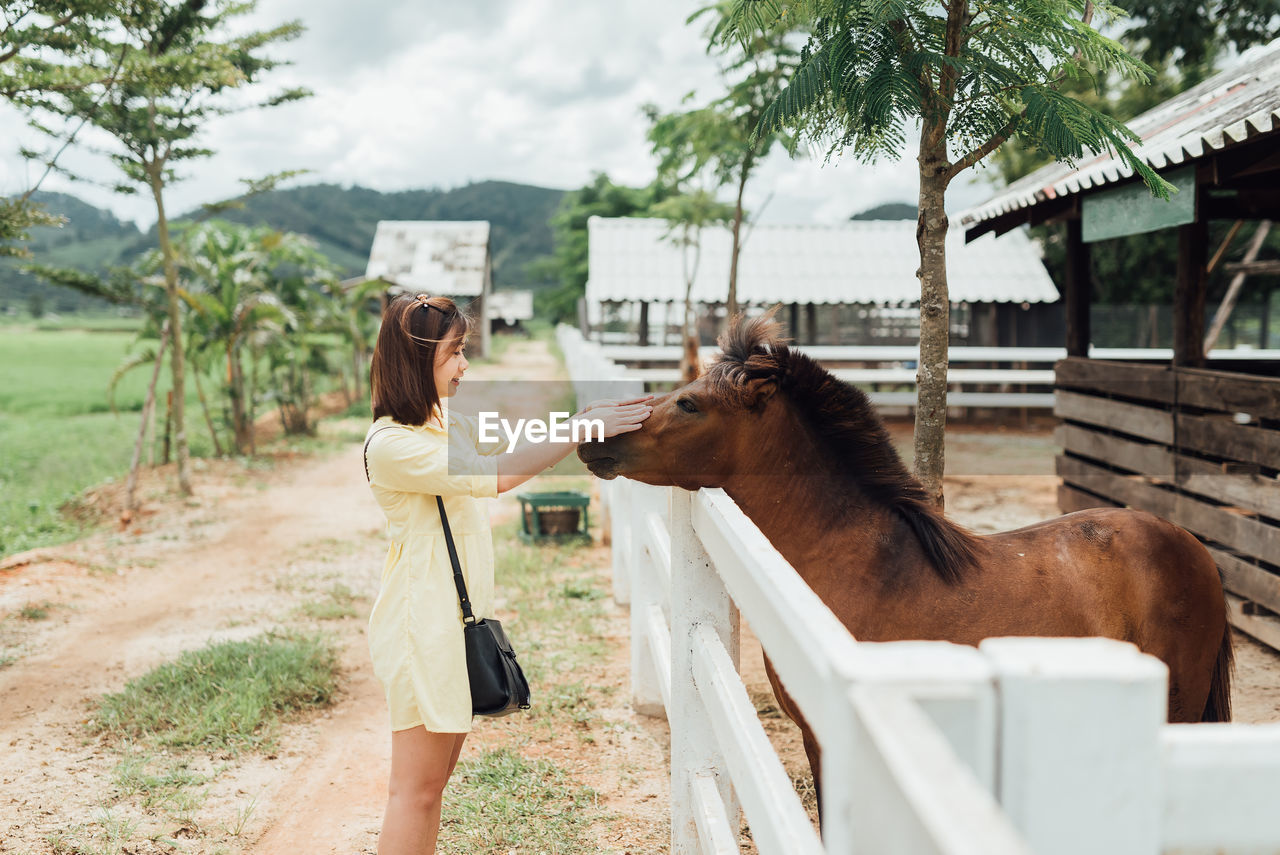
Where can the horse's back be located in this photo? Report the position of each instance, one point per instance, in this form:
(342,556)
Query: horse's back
(1129,575)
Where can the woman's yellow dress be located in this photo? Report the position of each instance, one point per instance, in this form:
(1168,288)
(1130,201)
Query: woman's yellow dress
(415,629)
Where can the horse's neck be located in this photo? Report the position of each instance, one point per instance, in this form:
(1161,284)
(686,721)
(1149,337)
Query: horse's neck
(823,524)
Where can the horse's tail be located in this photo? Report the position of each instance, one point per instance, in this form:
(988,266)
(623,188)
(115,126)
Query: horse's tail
(1218,706)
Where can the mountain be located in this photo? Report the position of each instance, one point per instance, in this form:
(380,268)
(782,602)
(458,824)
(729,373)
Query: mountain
(889,211)
(341,220)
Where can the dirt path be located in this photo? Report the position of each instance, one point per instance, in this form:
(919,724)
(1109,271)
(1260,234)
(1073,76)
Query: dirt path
(246,555)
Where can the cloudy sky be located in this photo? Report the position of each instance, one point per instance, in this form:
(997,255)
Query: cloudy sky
(412,94)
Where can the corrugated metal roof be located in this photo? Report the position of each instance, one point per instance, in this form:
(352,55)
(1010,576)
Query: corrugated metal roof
(1231,107)
(867,261)
(430,256)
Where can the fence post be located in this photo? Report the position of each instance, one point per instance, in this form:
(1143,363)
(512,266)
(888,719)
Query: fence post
(646,595)
(620,498)
(1079,757)
(952,685)
(698,597)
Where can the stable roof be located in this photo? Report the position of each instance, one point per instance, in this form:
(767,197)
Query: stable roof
(1232,107)
(860,261)
(431,256)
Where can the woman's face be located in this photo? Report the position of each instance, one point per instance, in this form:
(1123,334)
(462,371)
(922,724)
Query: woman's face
(451,362)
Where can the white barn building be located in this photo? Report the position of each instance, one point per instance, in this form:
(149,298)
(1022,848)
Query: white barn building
(859,276)
(436,257)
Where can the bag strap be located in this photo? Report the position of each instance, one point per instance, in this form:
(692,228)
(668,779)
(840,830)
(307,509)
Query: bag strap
(366,447)
(463,600)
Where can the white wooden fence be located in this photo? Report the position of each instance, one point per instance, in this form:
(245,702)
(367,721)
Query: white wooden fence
(1030,385)
(1019,746)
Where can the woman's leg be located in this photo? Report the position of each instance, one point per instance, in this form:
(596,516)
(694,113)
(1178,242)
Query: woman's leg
(421,763)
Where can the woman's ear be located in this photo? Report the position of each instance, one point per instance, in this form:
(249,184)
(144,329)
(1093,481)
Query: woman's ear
(759,391)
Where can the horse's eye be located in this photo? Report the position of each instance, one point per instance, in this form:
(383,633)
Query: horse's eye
(687,405)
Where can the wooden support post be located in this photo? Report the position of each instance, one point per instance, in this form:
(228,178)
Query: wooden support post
(1080,738)
(1233,290)
(482,312)
(1188,296)
(1078,287)
(643,332)
(1264,332)
(698,599)
(811,324)
(793,325)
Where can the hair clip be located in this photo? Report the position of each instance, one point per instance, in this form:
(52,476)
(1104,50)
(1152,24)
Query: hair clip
(423,300)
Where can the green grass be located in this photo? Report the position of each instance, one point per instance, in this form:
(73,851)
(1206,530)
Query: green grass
(33,612)
(502,802)
(338,604)
(58,435)
(558,607)
(230,696)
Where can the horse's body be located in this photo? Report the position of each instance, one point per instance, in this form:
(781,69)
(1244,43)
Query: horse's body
(808,460)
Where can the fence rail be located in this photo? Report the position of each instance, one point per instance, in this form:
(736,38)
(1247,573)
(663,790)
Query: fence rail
(1009,380)
(1020,746)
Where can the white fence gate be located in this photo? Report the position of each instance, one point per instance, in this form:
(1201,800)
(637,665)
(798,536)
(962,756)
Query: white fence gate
(1019,746)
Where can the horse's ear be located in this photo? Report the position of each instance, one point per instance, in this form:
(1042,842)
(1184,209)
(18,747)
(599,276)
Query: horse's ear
(760,390)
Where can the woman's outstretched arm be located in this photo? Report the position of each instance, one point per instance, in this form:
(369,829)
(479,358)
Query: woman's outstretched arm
(530,458)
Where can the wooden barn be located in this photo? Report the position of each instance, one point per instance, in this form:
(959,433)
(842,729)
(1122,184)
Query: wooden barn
(850,283)
(437,257)
(1195,440)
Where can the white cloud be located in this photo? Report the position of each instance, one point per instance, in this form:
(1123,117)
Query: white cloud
(436,94)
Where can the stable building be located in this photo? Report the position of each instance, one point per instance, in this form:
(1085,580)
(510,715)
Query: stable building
(1196,438)
(845,283)
(440,258)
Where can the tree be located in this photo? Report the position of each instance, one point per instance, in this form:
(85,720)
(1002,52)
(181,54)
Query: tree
(140,287)
(1183,42)
(722,136)
(567,265)
(969,76)
(42,48)
(178,61)
(688,214)
(225,269)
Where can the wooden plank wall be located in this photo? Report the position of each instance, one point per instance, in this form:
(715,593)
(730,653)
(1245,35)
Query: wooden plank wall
(1198,447)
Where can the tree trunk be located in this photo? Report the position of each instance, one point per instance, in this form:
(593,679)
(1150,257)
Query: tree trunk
(250,393)
(731,305)
(935,310)
(240,424)
(208,419)
(166,453)
(177,364)
(689,366)
(131,488)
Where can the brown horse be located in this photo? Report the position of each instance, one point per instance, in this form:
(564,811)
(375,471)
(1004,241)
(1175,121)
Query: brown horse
(806,457)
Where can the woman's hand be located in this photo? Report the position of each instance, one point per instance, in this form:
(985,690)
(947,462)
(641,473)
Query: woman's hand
(616,402)
(618,417)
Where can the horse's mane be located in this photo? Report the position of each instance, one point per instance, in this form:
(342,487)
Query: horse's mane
(847,425)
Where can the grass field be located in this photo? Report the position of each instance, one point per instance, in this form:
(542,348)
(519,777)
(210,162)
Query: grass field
(58,435)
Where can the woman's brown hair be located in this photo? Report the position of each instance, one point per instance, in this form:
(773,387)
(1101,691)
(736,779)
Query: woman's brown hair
(402,377)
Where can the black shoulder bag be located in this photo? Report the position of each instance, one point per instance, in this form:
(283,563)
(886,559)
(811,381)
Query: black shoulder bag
(498,685)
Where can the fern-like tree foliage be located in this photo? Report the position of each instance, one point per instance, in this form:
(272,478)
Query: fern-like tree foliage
(723,137)
(967,75)
(165,70)
(43,47)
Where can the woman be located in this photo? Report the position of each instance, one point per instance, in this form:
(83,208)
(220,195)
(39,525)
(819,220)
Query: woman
(416,450)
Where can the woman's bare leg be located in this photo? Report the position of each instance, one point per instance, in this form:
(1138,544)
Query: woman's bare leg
(421,763)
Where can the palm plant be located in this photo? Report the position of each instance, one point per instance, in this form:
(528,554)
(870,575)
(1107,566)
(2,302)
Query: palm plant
(302,281)
(225,270)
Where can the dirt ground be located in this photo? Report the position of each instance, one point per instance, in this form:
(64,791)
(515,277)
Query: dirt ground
(246,553)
